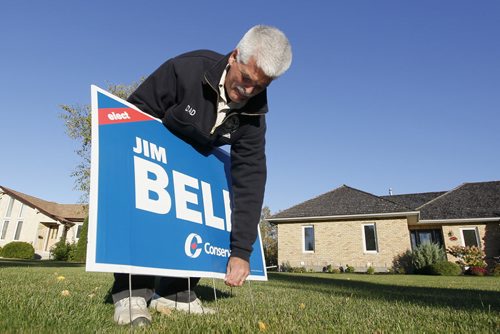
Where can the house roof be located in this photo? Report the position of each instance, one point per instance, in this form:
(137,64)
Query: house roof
(66,213)
(413,201)
(342,201)
(470,200)
(477,200)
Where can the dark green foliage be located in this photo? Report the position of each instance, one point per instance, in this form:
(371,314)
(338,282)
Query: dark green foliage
(370,270)
(445,268)
(63,251)
(425,255)
(349,269)
(81,247)
(402,263)
(269,235)
(496,270)
(18,250)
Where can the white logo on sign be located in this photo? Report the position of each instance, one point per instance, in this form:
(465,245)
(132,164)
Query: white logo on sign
(192,247)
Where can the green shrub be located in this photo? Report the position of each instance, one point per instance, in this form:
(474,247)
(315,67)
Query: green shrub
(445,268)
(285,267)
(496,270)
(349,269)
(63,251)
(18,250)
(80,253)
(0,251)
(402,263)
(370,270)
(425,255)
(300,270)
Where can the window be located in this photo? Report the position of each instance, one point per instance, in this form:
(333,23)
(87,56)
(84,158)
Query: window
(21,211)
(370,237)
(419,237)
(78,231)
(308,233)
(470,237)
(18,230)
(4,229)
(53,232)
(9,208)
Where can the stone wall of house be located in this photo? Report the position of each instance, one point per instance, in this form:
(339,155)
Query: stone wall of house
(341,243)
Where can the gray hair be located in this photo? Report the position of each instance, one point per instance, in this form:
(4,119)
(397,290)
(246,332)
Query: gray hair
(270,48)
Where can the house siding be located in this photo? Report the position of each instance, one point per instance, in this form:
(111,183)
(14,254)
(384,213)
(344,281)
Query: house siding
(341,242)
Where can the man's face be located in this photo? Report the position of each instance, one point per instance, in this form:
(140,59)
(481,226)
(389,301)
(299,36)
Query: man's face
(244,81)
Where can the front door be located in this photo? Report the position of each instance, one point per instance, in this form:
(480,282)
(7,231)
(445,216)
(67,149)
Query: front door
(41,237)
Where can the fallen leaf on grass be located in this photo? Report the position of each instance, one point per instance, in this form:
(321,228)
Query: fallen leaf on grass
(302,306)
(65,293)
(92,295)
(262,326)
(164,310)
(61,278)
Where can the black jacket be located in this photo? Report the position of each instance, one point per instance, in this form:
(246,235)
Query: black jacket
(183,93)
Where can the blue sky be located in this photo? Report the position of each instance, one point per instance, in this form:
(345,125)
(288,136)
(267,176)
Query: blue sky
(381,94)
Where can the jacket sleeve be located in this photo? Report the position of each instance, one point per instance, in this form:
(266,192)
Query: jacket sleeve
(158,92)
(248,173)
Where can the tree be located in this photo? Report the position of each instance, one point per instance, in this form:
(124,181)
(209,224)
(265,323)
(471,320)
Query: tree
(269,236)
(81,246)
(77,119)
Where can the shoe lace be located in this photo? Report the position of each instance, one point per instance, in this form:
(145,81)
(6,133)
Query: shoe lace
(136,301)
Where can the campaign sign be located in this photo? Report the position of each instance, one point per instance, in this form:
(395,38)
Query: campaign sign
(157,206)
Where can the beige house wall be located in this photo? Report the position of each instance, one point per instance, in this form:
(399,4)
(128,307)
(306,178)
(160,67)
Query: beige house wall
(341,242)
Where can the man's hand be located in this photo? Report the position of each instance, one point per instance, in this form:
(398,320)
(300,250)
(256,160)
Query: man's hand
(237,271)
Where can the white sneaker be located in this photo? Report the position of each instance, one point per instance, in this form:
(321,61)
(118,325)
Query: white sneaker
(161,304)
(139,310)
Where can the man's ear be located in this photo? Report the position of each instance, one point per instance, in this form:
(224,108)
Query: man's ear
(232,56)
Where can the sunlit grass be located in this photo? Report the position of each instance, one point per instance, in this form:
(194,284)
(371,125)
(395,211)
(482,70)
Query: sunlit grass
(33,299)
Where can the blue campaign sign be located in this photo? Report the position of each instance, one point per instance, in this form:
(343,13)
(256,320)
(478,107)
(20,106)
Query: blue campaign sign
(157,206)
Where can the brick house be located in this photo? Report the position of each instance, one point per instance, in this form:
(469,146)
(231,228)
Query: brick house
(38,222)
(350,226)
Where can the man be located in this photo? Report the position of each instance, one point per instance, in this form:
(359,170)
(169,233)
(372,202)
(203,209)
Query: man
(210,100)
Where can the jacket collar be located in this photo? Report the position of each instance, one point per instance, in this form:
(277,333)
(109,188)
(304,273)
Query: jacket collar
(256,105)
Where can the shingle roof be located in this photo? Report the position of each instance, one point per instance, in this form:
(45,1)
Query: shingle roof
(341,201)
(413,201)
(470,200)
(61,212)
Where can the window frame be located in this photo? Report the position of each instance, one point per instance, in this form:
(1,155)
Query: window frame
(478,239)
(304,227)
(374,235)
(19,226)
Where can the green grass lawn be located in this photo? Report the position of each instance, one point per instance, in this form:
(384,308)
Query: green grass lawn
(31,300)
